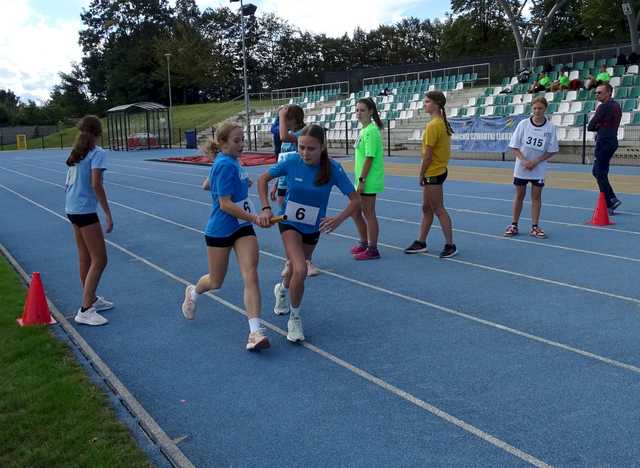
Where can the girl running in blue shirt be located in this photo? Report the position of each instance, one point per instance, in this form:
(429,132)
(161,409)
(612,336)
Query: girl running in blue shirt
(229,227)
(310,177)
(84,190)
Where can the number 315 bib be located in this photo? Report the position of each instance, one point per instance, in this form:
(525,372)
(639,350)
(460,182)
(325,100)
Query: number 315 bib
(304,214)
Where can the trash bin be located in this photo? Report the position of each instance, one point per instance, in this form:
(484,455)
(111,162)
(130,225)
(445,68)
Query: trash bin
(190,139)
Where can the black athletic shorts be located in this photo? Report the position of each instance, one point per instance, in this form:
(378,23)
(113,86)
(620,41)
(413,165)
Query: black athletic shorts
(435,180)
(535,182)
(282,192)
(230,240)
(368,194)
(83,220)
(309,239)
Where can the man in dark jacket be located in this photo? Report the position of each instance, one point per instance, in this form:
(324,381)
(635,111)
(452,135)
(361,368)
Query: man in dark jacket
(606,123)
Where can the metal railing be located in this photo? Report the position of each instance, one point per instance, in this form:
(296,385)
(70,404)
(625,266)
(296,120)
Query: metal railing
(284,94)
(482,69)
(580,56)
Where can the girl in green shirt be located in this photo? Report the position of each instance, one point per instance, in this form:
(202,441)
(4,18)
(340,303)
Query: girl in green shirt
(369,178)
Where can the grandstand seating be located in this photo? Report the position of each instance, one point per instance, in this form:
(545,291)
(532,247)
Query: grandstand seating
(402,108)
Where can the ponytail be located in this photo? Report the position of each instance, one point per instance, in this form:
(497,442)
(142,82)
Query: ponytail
(90,129)
(441,100)
(446,122)
(317,132)
(371,105)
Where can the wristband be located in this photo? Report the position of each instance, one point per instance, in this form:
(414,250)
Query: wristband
(361,179)
(266,208)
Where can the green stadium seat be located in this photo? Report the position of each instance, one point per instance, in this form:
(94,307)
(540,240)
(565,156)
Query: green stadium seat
(618,70)
(558,66)
(509,109)
(506,81)
(466,77)
(488,91)
(589,106)
(636,119)
(628,105)
(553,108)
(538,69)
(611,62)
(590,64)
(463,112)
(635,92)
(621,93)
(579,119)
(627,80)
(578,66)
(601,62)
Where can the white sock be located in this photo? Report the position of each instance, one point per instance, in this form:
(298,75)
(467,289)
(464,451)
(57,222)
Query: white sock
(194,295)
(254,324)
(295,311)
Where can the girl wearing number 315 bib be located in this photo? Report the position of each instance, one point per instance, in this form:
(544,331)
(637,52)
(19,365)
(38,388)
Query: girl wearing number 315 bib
(230,227)
(532,144)
(310,176)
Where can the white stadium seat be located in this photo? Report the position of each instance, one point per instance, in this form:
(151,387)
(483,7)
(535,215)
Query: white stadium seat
(562,133)
(615,81)
(576,106)
(571,96)
(564,107)
(632,70)
(556,119)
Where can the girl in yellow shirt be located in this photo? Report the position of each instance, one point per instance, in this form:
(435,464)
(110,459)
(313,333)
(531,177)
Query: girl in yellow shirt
(436,151)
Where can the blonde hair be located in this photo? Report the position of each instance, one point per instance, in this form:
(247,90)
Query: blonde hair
(224,131)
(541,100)
(209,148)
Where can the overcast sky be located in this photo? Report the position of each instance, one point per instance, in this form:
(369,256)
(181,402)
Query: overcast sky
(39,38)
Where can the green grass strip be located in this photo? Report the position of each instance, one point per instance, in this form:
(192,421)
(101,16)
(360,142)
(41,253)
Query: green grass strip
(51,414)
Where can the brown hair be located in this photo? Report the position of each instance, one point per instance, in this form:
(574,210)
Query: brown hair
(317,132)
(439,98)
(541,100)
(223,133)
(296,114)
(371,105)
(90,130)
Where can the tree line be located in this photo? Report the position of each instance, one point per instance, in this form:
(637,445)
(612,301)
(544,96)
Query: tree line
(125,42)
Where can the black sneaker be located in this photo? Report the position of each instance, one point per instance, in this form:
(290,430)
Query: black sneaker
(416,247)
(449,251)
(615,203)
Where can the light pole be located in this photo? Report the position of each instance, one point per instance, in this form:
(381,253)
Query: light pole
(168,56)
(632,19)
(247,10)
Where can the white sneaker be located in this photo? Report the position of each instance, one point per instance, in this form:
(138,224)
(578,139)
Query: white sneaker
(294,329)
(282,301)
(189,305)
(311,269)
(101,304)
(285,270)
(90,317)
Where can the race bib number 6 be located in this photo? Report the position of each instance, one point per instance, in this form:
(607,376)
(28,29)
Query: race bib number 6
(246,205)
(303,214)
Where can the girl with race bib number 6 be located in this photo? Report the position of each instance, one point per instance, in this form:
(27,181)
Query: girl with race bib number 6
(229,227)
(310,176)
(533,143)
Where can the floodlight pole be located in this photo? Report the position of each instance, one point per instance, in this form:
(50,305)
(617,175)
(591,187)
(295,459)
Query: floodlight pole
(632,19)
(168,56)
(244,69)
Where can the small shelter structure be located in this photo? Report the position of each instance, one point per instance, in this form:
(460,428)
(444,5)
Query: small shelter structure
(141,125)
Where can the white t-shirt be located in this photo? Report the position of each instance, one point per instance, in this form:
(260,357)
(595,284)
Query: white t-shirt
(533,141)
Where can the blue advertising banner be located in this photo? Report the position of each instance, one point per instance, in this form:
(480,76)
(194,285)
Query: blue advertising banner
(483,134)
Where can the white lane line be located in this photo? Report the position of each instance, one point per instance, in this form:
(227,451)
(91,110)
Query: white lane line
(148,167)
(420,301)
(340,362)
(544,244)
(390,246)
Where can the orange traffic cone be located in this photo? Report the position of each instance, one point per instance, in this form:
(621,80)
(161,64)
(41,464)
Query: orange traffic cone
(36,310)
(601,213)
